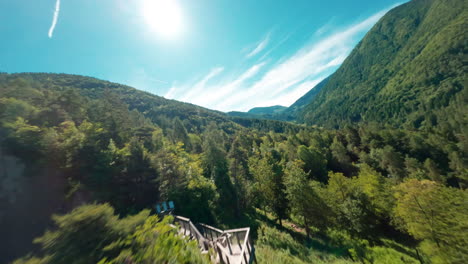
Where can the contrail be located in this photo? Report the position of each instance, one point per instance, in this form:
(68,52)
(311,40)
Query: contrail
(54,20)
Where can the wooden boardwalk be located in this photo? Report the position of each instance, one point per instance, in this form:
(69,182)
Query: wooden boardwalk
(231,246)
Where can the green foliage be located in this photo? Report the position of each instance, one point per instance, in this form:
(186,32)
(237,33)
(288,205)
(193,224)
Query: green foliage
(360,250)
(386,255)
(376,188)
(353,207)
(181,180)
(32,260)
(436,215)
(304,198)
(269,187)
(94,234)
(24,139)
(274,246)
(274,239)
(11,109)
(132,149)
(339,186)
(340,159)
(155,242)
(239,173)
(216,167)
(315,164)
(81,235)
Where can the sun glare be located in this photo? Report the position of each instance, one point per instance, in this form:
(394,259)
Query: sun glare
(164,17)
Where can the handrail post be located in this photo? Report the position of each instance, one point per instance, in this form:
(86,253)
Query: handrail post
(190,230)
(238,241)
(229,244)
(203,230)
(220,255)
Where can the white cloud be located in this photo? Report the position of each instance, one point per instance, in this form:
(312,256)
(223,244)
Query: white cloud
(291,96)
(325,28)
(277,84)
(260,46)
(278,44)
(309,61)
(54,19)
(215,98)
(196,89)
(171,92)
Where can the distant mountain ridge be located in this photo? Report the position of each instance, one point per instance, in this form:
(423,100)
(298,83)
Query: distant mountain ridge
(267,110)
(279,112)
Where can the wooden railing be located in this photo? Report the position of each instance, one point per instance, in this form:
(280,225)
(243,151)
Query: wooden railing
(190,230)
(210,232)
(231,246)
(242,235)
(223,254)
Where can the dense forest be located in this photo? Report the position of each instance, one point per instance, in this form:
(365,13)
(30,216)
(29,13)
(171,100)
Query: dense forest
(362,193)
(378,175)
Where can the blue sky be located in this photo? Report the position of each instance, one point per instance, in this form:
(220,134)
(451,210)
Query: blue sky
(221,54)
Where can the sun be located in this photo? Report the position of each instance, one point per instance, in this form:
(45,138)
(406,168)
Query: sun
(164,17)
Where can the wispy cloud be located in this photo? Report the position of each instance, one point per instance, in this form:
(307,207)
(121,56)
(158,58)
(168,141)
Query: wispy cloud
(199,87)
(187,93)
(171,92)
(325,28)
(228,88)
(277,45)
(280,83)
(310,60)
(260,46)
(54,19)
(291,96)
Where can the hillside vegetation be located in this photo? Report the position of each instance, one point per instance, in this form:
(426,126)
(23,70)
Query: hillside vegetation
(410,71)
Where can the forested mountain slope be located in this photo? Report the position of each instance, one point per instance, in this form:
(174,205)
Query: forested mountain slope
(307,98)
(157,109)
(410,70)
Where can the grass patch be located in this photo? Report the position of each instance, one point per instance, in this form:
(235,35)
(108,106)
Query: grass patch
(289,244)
